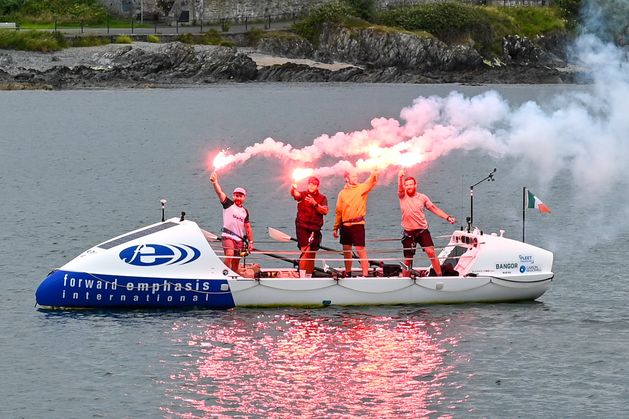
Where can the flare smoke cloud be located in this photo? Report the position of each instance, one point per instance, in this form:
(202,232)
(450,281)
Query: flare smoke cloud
(577,133)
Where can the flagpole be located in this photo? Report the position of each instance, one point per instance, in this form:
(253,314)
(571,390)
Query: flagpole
(523,211)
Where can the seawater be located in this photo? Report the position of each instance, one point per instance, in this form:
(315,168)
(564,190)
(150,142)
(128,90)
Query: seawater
(80,167)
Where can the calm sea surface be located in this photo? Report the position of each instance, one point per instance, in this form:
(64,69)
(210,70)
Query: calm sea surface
(79,167)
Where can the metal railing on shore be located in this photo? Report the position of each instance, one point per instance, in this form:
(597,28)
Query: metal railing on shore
(165,27)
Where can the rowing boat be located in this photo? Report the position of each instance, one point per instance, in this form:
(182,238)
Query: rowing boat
(171,264)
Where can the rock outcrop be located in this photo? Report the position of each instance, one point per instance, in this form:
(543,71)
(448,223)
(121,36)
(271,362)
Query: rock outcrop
(370,55)
(379,48)
(170,64)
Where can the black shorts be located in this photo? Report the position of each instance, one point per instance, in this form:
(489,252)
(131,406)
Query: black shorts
(414,237)
(353,235)
(308,237)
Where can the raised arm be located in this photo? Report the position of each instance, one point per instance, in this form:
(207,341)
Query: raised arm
(400,184)
(371,181)
(217,187)
(294,192)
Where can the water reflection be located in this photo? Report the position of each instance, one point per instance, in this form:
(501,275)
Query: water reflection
(312,363)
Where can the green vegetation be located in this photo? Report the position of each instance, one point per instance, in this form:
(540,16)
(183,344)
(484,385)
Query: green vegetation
(123,39)
(253,36)
(32,41)
(482,26)
(186,38)
(338,12)
(41,11)
(452,22)
(153,39)
(569,10)
(364,9)
(211,37)
(531,21)
(88,41)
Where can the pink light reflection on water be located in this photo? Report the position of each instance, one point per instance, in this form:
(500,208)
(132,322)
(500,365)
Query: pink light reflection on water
(282,364)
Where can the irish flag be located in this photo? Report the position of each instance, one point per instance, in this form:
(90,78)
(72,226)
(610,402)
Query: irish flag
(535,202)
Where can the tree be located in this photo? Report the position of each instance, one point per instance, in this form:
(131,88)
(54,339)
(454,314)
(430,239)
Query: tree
(165,5)
(10,6)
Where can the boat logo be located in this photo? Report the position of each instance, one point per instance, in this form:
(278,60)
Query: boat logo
(526,259)
(159,254)
(522,269)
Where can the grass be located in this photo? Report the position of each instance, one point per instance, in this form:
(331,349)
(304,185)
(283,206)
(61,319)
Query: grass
(532,21)
(211,37)
(32,41)
(311,26)
(88,41)
(123,39)
(46,11)
(153,39)
(483,27)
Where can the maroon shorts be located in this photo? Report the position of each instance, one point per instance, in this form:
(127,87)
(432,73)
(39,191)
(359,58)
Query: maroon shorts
(308,237)
(414,237)
(353,235)
(232,244)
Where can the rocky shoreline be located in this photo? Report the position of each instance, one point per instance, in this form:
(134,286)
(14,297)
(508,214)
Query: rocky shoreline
(364,56)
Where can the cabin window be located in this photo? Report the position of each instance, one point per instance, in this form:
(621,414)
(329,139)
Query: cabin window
(454,256)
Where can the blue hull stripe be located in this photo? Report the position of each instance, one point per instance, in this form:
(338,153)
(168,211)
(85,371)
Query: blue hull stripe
(84,290)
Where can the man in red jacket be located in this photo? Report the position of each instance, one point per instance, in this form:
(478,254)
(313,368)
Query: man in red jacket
(312,205)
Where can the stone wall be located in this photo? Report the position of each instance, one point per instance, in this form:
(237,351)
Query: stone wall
(214,10)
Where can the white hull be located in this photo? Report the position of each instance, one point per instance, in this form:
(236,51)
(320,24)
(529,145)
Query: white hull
(384,291)
(171,264)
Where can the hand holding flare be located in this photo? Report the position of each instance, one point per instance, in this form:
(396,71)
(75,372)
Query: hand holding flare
(299,174)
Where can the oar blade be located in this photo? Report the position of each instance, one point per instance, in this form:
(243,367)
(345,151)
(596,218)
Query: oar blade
(211,237)
(278,235)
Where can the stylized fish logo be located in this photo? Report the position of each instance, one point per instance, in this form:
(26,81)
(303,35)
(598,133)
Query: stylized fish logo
(159,254)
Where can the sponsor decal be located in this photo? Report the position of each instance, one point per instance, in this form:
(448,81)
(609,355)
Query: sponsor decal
(526,259)
(532,268)
(113,290)
(159,254)
(508,266)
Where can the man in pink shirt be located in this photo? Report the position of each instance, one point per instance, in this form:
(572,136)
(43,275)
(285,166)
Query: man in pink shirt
(412,204)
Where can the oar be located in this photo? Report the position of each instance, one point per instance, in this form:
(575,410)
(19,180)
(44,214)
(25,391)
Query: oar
(213,237)
(278,235)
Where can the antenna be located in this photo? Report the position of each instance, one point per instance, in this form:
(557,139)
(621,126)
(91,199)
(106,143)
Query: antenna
(163,202)
(470,219)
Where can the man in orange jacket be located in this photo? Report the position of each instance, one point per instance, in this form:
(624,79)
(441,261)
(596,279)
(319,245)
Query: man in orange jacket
(351,209)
